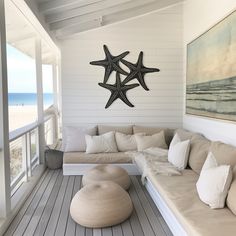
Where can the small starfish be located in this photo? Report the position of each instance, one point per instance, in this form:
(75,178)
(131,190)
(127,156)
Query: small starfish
(110,63)
(137,71)
(118,90)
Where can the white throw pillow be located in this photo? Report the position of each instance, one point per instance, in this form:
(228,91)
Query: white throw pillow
(126,142)
(178,152)
(75,138)
(101,143)
(214,182)
(151,141)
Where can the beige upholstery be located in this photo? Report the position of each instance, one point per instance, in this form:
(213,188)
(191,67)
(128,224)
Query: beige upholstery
(224,154)
(231,199)
(184,134)
(102,129)
(169,133)
(99,158)
(151,141)
(198,152)
(101,205)
(107,173)
(180,194)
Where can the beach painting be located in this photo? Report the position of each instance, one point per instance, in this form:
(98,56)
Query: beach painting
(211,72)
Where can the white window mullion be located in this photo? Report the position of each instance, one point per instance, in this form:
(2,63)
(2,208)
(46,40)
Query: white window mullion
(5,179)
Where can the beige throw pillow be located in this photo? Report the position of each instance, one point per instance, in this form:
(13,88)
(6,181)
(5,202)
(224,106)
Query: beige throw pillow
(126,142)
(199,149)
(178,152)
(231,199)
(101,143)
(214,182)
(156,140)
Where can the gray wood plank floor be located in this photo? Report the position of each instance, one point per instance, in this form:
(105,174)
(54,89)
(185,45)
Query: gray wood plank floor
(46,211)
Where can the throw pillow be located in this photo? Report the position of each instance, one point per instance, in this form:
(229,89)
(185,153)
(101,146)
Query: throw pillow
(214,182)
(75,138)
(101,143)
(126,142)
(155,140)
(178,152)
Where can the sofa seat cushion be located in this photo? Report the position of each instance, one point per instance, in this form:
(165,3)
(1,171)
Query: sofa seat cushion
(99,158)
(180,194)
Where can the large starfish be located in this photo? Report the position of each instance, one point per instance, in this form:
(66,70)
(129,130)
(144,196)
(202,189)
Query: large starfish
(110,63)
(118,90)
(137,71)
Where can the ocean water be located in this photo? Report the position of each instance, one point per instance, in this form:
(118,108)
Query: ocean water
(28,99)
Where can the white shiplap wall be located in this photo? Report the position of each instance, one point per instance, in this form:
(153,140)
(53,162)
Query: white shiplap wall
(159,36)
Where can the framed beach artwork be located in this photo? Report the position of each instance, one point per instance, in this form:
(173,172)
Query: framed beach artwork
(211,72)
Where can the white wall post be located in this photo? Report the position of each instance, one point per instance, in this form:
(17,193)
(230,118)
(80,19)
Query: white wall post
(39,77)
(5,179)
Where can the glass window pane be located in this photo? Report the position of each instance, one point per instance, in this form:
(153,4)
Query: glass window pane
(47,85)
(16,158)
(21,68)
(33,141)
(48,130)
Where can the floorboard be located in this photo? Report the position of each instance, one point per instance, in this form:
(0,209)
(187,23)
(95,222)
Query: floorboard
(46,211)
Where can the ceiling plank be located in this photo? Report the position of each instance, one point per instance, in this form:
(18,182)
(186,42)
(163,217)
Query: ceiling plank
(62,5)
(78,28)
(83,10)
(114,18)
(98,14)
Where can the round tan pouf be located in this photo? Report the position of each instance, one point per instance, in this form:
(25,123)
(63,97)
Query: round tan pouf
(101,205)
(107,173)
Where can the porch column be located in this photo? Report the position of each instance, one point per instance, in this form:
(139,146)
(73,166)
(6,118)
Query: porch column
(5,179)
(39,78)
(55,101)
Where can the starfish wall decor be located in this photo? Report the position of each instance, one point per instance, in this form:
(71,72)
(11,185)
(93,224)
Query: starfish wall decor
(119,89)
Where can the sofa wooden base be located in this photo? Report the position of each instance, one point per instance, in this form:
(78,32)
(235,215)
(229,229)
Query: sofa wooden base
(81,169)
(174,225)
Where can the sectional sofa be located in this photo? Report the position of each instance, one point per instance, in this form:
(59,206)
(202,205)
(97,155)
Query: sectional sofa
(78,163)
(175,196)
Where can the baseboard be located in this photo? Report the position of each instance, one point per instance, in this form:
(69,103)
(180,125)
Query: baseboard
(81,169)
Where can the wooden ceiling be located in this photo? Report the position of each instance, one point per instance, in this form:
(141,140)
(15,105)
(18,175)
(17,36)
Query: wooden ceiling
(69,17)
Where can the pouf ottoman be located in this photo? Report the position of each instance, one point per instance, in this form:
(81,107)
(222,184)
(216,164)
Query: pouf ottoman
(107,173)
(101,205)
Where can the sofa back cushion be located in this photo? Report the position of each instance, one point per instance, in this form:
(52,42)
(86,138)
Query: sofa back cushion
(126,142)
(225,154)
(199,149)
(169,133)
(230,202)
(184,134)
(102,129)
(74,138)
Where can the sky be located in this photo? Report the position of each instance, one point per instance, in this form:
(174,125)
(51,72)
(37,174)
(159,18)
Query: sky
(212,56)
(22,73)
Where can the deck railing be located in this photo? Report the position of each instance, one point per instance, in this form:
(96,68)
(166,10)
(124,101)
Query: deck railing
(24,149)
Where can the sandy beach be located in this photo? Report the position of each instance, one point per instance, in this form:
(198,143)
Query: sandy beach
(21,115)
